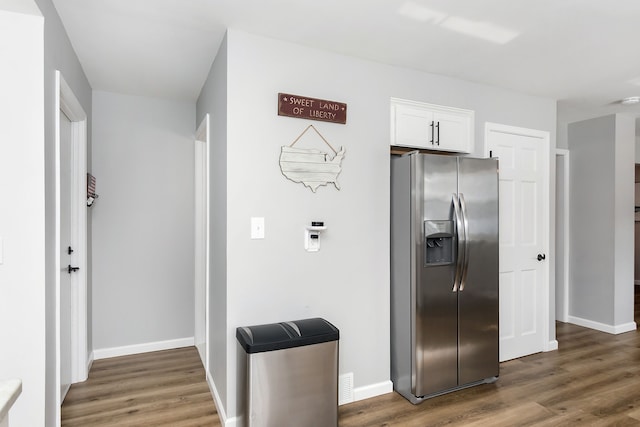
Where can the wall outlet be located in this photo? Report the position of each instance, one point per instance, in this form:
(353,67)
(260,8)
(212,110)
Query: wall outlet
(257,227)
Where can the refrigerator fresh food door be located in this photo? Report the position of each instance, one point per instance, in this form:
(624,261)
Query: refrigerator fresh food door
(435,335)
(478,295)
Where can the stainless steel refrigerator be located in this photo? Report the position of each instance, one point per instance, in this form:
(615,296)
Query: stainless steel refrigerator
(444,273)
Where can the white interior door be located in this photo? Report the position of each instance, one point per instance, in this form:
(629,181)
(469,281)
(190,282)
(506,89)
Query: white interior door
(65,257)
(523,217)
(72,353)
(201,238)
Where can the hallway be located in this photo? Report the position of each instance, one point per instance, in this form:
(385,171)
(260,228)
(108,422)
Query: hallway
(164,388)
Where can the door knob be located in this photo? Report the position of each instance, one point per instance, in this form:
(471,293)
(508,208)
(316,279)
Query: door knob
(541,257)
(72,269)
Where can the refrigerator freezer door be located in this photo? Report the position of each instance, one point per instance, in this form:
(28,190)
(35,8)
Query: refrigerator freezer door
(478,300)
(435,343)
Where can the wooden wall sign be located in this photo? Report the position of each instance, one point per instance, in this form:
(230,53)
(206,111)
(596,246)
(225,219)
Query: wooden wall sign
(303,107)
(311,167)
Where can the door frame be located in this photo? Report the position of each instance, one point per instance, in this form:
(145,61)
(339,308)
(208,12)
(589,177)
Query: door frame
(545,140)
(564,285)
(203,135)
(66,102)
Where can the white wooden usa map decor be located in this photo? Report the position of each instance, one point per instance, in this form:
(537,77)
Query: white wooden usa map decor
(311,167)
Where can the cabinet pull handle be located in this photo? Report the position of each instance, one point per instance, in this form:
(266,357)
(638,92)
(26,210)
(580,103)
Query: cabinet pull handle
(438,139)
(432,132)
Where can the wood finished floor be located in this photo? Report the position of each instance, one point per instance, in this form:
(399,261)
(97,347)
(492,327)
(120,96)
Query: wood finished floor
(164,388)
(592,380)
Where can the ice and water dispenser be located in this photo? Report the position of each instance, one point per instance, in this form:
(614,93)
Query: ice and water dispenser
(438,242)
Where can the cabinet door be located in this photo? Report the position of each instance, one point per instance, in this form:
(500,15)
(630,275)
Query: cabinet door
(431,127)
(411,127)
(452,132)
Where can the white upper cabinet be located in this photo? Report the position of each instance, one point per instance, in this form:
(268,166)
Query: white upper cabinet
(431,127)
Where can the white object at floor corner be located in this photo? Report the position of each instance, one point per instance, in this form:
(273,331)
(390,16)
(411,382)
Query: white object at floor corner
(9,392)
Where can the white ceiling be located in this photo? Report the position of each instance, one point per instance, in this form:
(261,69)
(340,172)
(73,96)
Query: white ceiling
(583,53)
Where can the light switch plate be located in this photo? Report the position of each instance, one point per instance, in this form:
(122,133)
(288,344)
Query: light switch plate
(257,227)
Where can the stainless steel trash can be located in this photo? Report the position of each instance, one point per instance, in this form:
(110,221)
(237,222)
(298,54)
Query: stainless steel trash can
(290,374)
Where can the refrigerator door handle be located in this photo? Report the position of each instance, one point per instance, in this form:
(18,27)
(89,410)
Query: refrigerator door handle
(459,243)
(465,221)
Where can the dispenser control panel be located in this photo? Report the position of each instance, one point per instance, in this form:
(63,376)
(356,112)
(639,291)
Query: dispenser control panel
(438,237)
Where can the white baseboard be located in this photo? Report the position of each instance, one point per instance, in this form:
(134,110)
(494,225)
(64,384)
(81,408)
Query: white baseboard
(216,397)
(105,353)
(90,361)
(372,390)
(552,345)
(610,329)
(625,327)
(359,393)
(232,422)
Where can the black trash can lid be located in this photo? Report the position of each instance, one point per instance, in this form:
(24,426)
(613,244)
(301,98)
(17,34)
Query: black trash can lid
(278,336)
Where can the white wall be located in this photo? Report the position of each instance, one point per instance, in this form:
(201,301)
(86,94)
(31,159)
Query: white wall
(347,282)
(601,229)
(58,55)
(22,215)
(624,221)
(561,206)
(568,114)
(213,100)
(143,222)
(20,6)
